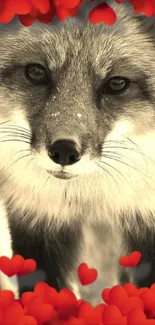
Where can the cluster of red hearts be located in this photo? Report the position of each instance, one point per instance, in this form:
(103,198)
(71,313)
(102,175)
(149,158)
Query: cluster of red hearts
(44,10)
(122,305)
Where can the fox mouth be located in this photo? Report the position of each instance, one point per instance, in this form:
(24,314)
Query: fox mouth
(62,175)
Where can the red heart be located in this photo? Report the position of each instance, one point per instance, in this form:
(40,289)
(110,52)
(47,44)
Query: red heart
(79,302)
(6,298)
(74,321)
(29,266)
(105,294)
(1,317)
(153,286)
(137,316)
(112,316)
(148,299)
(17,265)
(69,3)
(26,297)
(42,312)
(11,266)
(142,290)
(63,12)
(131,303)
(98,313)
(48,294)
(91,315)
(117,296)
(102,13)
(28,320)
(131,260)
(66,304)
(85,311)
(42,6)
(145,7)
(13,314)
(22,8)
(86,275)
(131,289)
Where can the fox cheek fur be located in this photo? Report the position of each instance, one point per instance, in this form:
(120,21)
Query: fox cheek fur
(6,283)
(64,205)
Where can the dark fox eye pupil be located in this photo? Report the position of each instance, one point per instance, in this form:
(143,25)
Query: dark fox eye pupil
(117,85)
(36,74)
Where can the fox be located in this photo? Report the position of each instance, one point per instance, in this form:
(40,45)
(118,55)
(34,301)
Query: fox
(77,135)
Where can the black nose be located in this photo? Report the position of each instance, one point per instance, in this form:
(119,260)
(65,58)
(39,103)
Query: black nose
(64,152)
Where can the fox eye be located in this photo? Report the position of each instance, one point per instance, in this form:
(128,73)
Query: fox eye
(36,74)
(116,85)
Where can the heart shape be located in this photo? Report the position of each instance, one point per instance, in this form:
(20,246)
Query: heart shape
(131,303)
(48,294)
(74,321)
(1,317)
(117,296)
(6,298)
(91,315)
(42,312)
(153,286)
(66,304)
(26,297)
(13,314)
(148,299)
(131,289)
(63,12)
(137,316)
(86,275)
(142,290)
(29,266)
(102,14)
(112,315)
(11,266)
(28,320)
(17,265)
(105,294)
(131,260)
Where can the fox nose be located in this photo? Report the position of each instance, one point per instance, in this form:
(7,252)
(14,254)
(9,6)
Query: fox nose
(64,152)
